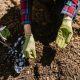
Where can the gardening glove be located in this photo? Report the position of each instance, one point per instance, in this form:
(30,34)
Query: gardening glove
(4,33)
(65,33)
(29,47)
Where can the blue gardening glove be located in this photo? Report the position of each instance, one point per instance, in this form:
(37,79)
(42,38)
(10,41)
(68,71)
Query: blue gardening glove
(4,33)
(29,47)
(65,33)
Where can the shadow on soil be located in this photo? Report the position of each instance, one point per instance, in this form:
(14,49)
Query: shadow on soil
(43,33)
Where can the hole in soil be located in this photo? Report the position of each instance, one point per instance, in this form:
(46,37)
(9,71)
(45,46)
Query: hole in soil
(48,55)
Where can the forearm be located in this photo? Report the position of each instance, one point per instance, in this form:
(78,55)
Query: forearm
(26,15)
(70,8)
(26,11)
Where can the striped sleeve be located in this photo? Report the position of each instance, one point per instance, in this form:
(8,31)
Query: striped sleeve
(26,11)
(70,8)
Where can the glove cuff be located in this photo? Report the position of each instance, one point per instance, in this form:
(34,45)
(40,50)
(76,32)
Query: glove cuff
(68,18)
(27,34)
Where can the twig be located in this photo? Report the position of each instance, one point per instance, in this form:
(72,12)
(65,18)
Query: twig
(6,45)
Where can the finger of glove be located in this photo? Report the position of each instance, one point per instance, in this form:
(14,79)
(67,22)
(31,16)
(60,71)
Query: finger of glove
(69,38)
(26,53)
(61,45)
(32,54)
(65,45)
(59,36)
(59,41)
(29,54)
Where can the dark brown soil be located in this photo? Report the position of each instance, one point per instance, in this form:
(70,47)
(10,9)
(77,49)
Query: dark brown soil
(52,63)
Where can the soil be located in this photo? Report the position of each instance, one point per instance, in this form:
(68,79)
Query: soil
(52,62)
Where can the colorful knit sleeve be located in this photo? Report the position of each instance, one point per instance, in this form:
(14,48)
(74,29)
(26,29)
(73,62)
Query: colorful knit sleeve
(26,11)
(70,8)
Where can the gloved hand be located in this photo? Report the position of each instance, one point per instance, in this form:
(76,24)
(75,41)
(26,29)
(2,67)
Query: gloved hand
(29,47)
(65,33)
(4,33)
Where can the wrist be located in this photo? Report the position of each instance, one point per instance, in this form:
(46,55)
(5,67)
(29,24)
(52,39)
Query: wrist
(67,17)
(27,29)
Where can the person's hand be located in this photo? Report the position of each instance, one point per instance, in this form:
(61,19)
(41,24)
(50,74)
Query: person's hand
(4,33)
(29,43)
(29,46)
(65,33)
